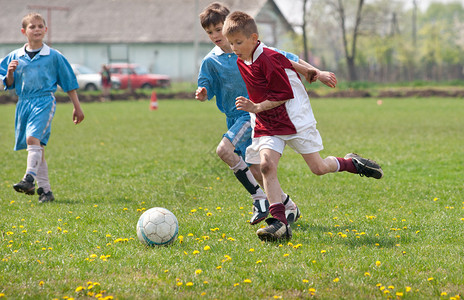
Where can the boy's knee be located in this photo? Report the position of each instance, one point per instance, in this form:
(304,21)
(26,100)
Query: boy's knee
(267,167)
(222,151)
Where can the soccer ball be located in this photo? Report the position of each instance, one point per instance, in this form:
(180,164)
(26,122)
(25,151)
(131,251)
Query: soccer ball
(157,226)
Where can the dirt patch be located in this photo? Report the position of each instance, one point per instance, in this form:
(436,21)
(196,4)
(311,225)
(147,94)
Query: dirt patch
(420,93)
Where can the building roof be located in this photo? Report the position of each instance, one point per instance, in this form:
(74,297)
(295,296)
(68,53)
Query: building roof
(117,21)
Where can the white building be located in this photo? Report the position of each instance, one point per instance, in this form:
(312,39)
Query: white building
(163,35)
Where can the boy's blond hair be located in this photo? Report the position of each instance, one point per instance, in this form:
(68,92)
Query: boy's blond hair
(213,14)
(31,16)
(239,22)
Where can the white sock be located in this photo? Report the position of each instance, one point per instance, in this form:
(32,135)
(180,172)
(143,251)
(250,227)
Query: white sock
(42,177)
(34,159)
(290,204)
(247,179)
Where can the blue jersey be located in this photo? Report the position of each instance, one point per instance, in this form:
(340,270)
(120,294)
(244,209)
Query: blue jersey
(39,76)
(220,76)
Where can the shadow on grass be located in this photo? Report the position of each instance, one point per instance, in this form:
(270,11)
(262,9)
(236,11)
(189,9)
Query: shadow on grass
(350,240)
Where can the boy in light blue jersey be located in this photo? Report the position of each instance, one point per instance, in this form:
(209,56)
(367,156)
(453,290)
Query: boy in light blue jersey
(34,71)
(219,76)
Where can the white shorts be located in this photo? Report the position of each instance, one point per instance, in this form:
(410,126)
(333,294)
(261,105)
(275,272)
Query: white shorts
(304,142)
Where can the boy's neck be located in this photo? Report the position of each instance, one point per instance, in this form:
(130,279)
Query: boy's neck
(34,46)
(227,49)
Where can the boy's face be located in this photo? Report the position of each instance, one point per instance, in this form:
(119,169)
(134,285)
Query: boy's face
(214,33)
(242,45)
(35,30)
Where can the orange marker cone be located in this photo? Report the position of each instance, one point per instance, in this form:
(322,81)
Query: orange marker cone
(153,101)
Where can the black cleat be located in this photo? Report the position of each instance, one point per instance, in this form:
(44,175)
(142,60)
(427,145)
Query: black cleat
(26,185)
(365,167)
(260,211)
(45,197)
(276,230)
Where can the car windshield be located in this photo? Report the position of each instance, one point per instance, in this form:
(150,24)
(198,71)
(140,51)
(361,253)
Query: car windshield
(85,70)
(140,70)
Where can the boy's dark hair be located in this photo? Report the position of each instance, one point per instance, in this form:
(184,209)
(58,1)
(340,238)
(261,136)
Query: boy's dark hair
(213,14)
(239,22)
(31,16)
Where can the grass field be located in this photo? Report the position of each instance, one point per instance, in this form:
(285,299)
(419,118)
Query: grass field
(358,238)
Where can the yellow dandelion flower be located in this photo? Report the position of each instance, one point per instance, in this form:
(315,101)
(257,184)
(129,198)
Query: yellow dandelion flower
(195,252)
(236,284)
(286,255)
(391,287)
(378,263)
(336,279)
(219,267)
(367,274)
(430,279)
(179,283)
(259,261)
(408,289)
(247,281)
(435,199)
(190,234)
(208,214)
(444,294)
(218,208)
(198,271)
(93,256)
(323,251)
(189,283)
(203,293)
(251,250)
(206,248)
(41,283)
(2,295)
(277,297)
(79,288)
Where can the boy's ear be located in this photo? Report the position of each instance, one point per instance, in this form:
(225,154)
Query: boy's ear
(254,37)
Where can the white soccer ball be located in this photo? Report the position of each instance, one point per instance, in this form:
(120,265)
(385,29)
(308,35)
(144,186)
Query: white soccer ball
(157,226)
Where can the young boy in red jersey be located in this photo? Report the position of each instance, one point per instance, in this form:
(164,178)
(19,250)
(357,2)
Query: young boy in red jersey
(281,114)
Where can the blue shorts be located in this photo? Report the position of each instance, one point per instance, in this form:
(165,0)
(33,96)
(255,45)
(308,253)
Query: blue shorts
(34,118)
(239,133)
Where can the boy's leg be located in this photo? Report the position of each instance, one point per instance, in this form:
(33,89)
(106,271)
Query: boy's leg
(225,151)
(34,159)
(43,181)
(278,227)
(352,163)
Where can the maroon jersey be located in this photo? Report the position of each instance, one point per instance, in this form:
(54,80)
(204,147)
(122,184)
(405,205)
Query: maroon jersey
(266,79)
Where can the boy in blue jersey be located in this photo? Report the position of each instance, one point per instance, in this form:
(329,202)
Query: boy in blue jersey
(34,71)
(219,76)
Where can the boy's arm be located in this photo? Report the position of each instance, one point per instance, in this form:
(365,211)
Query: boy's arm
(326,77)
(309,72)
(245,104)
(78,114)
(9,79)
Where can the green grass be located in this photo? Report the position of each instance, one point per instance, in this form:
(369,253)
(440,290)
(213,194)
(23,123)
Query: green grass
(124,159)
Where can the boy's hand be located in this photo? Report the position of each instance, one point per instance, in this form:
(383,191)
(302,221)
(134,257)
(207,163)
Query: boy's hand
(10,72)
(78,115)
(311,74)
(12,67)
(328,78)
(245,104)
(201,94)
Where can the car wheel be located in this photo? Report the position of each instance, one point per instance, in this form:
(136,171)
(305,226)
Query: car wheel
(147,86)
(90,87)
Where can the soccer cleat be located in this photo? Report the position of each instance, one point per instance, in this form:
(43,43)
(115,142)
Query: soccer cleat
(45,197)
(260,211)
(276,230)
(291,213)
(365,167)
(26,185)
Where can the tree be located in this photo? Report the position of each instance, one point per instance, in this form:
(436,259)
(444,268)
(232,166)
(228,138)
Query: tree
(350,55)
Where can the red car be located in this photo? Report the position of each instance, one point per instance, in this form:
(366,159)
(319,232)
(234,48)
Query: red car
(135,76)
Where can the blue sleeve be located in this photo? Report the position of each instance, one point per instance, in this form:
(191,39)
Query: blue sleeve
(205,78)
(290,56)
(3,71)
(66,77)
